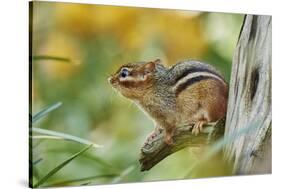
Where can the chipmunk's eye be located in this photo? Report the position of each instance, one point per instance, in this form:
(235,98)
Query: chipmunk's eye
(124,72)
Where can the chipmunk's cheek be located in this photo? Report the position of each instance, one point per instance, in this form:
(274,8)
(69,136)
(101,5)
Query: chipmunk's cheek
(124,92)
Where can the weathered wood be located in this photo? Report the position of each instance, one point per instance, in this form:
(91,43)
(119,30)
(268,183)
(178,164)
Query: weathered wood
(249,103)
(156,149)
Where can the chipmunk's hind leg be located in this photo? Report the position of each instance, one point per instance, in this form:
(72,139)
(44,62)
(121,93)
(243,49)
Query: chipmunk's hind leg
(198,127)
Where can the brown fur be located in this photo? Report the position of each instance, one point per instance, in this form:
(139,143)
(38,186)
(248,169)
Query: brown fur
(196,102)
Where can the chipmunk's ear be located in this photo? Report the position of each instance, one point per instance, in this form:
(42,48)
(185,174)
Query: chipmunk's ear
(150,66)
(157,61)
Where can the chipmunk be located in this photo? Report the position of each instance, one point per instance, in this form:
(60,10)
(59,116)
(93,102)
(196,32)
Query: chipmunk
(190,92)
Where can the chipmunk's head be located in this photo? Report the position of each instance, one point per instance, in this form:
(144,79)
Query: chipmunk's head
(133,80)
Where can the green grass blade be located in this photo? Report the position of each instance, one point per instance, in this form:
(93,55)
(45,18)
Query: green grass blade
(45,111)
(47,137)
(88,156)
(47,57)
(73,181)
(60,166)
(124,174)
(37,161)
(59,135)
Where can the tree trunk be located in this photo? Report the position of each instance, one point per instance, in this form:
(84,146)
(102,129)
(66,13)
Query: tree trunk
(249,104)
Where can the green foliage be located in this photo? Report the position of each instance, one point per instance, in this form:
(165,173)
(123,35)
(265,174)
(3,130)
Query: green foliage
(48,134)
(84,181)
(45,111)
(60,136)
(52,58)
(60,166)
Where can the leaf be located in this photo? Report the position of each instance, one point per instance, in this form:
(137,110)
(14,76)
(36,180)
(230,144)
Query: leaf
(60,166)
(45,111)
(58,135)
(47,57)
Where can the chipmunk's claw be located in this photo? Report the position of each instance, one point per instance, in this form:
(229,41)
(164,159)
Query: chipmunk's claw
(197,128)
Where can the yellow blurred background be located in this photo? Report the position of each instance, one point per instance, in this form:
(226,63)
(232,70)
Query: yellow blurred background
(96,40)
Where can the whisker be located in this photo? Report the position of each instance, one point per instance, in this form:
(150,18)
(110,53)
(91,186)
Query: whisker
(111,96)
(130,105)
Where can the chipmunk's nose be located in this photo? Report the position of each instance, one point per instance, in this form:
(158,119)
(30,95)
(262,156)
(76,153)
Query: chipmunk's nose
(110,79)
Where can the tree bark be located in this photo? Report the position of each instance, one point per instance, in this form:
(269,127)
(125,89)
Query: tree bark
(155,150)
(249,104)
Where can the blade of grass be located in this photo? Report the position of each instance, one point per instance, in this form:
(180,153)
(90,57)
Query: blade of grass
(59,135)
(88,156)
(60,166)
(37,161)
(124,174)
(67,182)
(47,57)
(45,111)
(47,137)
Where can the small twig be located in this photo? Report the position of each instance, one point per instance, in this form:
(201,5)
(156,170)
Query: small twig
(156,149)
